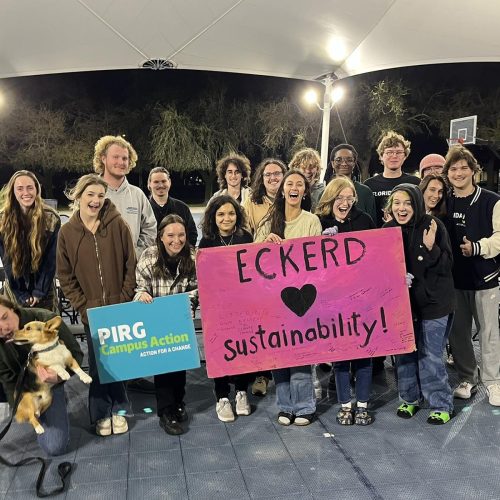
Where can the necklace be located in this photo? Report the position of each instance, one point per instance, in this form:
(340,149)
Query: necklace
(224,242)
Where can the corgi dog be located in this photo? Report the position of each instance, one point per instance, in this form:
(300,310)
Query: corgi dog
(49,352)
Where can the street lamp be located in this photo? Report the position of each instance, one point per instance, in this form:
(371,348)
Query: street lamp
(331,96)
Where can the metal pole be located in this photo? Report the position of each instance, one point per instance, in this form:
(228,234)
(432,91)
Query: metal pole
(325,127)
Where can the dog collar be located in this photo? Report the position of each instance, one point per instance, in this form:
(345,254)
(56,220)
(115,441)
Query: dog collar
(47,349)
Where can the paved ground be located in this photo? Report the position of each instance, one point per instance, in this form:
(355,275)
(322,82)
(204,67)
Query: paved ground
(254,457)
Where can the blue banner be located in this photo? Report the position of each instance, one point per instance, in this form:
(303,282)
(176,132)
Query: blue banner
(136,340)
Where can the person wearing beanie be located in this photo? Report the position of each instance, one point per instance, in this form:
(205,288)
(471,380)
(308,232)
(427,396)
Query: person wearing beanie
(474,228)
(431,164)
(428,256)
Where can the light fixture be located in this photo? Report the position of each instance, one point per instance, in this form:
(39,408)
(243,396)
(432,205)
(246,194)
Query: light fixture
(331,97)
(311,96)
(337,49)
(337,94)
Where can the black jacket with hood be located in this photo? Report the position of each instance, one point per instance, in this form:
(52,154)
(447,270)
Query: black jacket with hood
(432,290)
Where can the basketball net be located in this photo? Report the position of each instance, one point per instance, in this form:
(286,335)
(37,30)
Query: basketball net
(455,141)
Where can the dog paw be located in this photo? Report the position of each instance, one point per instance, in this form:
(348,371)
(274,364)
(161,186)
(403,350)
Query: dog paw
(39,429)
(86,379)
(64,375)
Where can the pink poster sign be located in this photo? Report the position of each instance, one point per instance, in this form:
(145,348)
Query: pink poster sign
(308,300)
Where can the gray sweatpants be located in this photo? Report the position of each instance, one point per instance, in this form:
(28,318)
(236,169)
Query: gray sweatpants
(485,302)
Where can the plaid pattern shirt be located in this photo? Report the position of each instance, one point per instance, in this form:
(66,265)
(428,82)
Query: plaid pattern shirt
(158,286)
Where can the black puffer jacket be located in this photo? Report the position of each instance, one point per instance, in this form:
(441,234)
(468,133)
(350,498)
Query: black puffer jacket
(432,290)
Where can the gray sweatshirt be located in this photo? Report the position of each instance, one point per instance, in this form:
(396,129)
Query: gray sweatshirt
(135,208)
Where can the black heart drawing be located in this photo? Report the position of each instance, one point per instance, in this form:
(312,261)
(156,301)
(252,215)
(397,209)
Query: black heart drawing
(299,301)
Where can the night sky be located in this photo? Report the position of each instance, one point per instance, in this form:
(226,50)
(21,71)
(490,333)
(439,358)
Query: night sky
(140,87)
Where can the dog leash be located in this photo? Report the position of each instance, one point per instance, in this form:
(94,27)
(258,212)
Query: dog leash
(64,469)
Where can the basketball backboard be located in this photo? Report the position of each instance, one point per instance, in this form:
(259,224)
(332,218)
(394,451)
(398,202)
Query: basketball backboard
(463,130)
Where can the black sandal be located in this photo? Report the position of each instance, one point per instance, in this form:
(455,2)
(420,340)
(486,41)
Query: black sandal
(362,417)
(345,416)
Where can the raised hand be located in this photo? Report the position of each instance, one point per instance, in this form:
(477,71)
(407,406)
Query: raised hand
(430,235)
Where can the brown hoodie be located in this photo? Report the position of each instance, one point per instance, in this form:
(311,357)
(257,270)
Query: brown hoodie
(96,270)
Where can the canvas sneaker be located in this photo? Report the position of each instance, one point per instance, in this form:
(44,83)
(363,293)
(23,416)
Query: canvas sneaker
(259,387)
(242,404)
(304,419)
(493,391)
(120,425)
(103,427)
(465,390)
(224,410)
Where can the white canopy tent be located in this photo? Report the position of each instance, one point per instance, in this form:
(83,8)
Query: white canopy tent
(286,38)
(316,40)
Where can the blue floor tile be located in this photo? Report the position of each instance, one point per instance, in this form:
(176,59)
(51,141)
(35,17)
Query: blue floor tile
(155,464)
(208,459)
(217,485)
(158,488)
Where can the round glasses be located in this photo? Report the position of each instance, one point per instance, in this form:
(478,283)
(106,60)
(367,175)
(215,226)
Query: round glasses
(268,175)
(347,199)
(343,159)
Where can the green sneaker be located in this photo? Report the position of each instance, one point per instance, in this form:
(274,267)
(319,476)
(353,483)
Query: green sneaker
(439,418)
(407,411)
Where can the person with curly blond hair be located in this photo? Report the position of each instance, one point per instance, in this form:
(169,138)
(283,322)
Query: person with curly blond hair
(393,149)
(114,158)
(28,241)
(308,161)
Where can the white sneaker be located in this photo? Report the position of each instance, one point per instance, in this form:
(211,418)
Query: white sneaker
(120,425)
(493,391)
(242,404)
(465,390)
(103,427)
(224,410)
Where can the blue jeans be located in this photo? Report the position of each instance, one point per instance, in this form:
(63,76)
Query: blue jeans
(55,421)
(104,399)
(363,373)
(294,390)
(423,372)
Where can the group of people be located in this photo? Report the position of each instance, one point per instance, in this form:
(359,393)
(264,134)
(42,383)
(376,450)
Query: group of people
(120,246)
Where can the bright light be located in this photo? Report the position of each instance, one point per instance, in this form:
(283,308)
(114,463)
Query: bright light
(337,94)
(311,96)
(337,49)
(2,99)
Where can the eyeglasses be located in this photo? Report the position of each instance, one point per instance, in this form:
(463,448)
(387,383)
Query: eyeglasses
(268,175)
(435,169)
(347,199)
(389,152)
(341,159)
